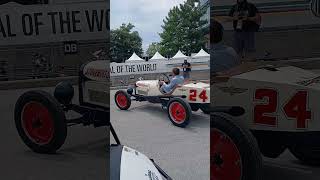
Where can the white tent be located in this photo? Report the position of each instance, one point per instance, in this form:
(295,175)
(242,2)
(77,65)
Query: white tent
(134,58)
(179,55)
(201,53)
(157,56)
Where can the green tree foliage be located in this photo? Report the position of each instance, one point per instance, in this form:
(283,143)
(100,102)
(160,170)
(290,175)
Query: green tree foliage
(124,41)
(153,48)
(183,29)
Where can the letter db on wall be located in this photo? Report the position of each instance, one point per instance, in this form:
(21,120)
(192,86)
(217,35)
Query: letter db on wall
(70,47)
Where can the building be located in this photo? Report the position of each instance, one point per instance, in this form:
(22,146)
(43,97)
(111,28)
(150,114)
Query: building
(288,30)
(205,5)
(62,36)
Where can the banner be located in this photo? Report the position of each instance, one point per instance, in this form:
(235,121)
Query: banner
(161,66)
(29,24)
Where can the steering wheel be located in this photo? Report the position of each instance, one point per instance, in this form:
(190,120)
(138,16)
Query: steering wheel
(164,77)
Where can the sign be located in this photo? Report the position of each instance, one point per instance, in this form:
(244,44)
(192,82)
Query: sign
(30,24)
(136,68)
(70,47)
(161,66)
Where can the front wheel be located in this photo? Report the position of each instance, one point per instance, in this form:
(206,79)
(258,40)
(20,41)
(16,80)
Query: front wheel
(234,153)
(40,121)
(179,112)
(122,99)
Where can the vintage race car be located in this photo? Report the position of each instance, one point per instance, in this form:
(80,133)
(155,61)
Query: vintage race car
(184,98)
(42,124)
(263,110)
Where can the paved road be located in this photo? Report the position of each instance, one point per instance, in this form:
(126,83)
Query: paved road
(182,152)
(287,167)
(83,157)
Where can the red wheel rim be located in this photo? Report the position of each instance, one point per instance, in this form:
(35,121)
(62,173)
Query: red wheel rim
(121,100)
(37,123)
(224,156)
(177,112)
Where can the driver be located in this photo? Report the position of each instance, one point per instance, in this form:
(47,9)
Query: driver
(176,80)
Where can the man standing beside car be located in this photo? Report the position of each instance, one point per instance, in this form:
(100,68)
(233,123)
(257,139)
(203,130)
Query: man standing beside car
(186,67)
(246,21)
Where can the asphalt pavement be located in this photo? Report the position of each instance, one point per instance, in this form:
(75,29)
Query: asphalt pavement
(182,152)
(82,157)
(288,167)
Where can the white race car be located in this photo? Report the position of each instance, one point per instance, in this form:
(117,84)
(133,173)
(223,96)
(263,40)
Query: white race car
(277,108)
(184,98)
(42,124)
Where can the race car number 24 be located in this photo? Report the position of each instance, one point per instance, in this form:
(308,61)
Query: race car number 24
(265,113)
(194,93)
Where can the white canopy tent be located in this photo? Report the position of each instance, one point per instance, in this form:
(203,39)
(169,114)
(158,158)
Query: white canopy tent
(179,55)
(157,56)
(201,53)
(134,58)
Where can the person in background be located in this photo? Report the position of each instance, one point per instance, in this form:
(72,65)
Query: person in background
(246,21)
(176,80)
(222,57)
(186,68)
(36,62)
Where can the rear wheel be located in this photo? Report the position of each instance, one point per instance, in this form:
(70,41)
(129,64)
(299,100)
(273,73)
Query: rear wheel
(40,121)
(234,153)
(179,112)
(122,99)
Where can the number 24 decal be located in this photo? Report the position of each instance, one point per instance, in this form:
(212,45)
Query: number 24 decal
(202,95)
(295,108)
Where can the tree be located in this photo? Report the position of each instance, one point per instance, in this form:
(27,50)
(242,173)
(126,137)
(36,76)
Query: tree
(153,48)
(183,29)
(124,42)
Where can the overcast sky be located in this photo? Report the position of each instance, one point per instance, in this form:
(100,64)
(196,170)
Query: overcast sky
(146,15)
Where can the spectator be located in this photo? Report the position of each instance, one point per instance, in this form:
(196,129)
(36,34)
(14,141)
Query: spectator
(246,21)
(222,57)
(186,67)
(36,62)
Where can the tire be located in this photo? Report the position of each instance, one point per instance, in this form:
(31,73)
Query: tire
(40,121)
(306,154)
(122,100)
(234,151)
(205,108)
(179,112)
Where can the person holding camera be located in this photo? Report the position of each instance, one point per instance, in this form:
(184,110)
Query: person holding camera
(246,21)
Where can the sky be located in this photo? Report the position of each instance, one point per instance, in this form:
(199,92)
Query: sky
(146,15)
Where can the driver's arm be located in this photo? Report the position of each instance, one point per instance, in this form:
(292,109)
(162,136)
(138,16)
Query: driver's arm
(172,84)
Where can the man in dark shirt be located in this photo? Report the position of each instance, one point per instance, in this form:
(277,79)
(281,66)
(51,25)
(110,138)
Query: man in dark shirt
(186,67)
(246,21)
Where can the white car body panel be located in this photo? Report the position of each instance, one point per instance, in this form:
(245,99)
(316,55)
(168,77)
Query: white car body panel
(264,94)
(96,88)
(135,165)
(192,90)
